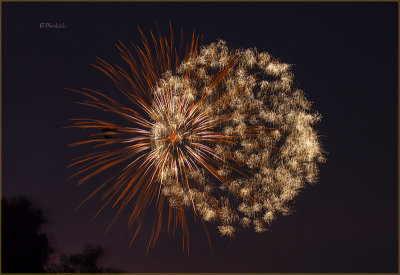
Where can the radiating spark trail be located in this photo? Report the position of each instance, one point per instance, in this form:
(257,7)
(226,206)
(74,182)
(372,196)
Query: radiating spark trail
(204,131)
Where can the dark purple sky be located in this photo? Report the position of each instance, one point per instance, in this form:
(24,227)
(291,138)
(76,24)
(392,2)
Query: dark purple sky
(345,58)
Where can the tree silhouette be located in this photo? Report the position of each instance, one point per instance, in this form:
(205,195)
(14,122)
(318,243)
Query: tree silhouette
(85,262)
(24,248)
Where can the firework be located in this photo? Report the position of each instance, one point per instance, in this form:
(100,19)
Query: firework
(216,131)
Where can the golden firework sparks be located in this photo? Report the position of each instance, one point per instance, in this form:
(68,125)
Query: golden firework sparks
(219,131)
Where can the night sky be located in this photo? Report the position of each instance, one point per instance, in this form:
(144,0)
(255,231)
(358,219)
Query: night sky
(344,57)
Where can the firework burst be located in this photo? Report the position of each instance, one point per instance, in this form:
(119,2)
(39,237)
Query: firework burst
(219,131)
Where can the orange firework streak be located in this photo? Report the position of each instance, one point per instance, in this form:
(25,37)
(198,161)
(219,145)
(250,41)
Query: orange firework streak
(141,179)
